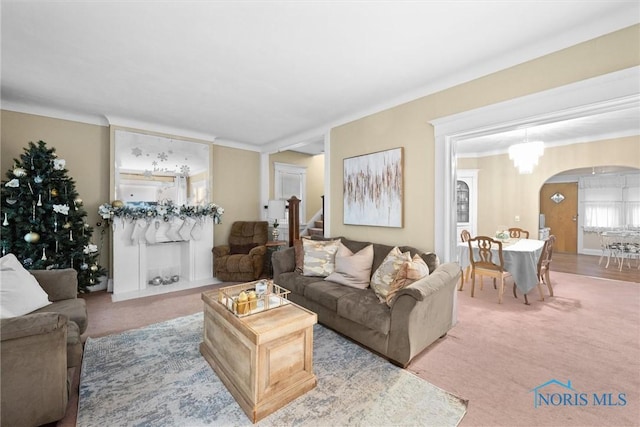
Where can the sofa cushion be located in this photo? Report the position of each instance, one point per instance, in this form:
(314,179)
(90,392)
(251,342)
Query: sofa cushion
(20,292)
(363,307)
(295,282)
(75,310)
(432,260)
(408,273)
(327,294)
(387,272)
(352,269)
(319,257)
(299,254)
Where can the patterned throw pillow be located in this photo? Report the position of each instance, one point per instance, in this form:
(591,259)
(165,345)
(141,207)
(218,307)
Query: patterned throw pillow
(319,257)
(385,274)
(408,273)
(352,269)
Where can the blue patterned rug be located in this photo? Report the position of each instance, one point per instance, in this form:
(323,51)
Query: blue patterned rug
(156,376)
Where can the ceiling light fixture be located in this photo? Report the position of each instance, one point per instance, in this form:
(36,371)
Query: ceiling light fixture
(526,154)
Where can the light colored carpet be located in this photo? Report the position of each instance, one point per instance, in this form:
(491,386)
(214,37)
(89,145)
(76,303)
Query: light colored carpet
(589,333)
(157,376)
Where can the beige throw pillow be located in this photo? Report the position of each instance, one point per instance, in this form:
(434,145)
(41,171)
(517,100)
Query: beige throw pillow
(385,274)
(408,273)
(352,269)
(319,257)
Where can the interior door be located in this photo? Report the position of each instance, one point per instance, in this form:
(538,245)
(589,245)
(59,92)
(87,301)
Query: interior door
(559,204)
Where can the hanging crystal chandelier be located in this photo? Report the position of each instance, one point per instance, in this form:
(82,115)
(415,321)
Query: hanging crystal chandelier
(526,154)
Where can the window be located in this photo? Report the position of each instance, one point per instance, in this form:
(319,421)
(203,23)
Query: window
(291,180)
(611,202)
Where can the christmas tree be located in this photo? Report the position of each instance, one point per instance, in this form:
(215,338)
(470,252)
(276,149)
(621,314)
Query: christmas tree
(44,221)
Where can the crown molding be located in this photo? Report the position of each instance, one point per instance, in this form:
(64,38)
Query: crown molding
(55,113)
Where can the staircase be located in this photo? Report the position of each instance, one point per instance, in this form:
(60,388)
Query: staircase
(317,229)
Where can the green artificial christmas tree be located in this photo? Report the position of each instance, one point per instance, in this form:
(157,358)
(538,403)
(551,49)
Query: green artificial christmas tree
(43,218)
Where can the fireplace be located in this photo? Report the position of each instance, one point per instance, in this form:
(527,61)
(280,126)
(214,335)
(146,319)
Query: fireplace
(149,259)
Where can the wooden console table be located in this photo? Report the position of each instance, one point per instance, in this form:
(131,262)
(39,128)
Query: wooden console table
(266,359)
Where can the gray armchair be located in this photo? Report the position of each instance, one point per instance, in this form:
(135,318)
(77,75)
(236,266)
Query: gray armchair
(39,352)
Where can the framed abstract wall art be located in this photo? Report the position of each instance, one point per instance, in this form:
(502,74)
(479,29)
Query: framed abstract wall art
(372,189)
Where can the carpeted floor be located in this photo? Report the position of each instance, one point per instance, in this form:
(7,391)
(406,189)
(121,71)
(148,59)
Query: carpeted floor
(156,376)
(588,333)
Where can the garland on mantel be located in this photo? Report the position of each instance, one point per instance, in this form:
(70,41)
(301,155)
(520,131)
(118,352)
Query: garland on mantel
(165,210)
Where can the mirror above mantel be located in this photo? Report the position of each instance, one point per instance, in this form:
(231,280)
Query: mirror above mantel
(153,169)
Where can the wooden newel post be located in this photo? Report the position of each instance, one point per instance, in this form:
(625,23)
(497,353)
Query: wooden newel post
(294,219)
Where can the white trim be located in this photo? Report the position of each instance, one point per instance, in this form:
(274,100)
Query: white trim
(55,113)
(470,177)
(609,92)
(327,184)
(295,170)
(157,128)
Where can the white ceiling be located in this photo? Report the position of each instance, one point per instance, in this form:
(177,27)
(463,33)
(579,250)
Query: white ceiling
(269,75)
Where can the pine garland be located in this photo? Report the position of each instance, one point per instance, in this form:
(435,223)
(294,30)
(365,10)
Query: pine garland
(166,210)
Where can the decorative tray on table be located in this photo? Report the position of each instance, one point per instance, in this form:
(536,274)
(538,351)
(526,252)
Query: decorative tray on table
(254,297)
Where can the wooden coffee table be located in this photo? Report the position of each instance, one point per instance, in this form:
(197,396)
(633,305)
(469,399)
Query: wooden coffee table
(266,359)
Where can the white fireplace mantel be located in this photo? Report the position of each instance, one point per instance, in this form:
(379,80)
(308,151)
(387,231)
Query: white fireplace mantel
(136,261)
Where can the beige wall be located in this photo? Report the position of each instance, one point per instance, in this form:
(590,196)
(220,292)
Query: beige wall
(236,178)
(315,178)
(84,147)
(86,151)
(236,172)
(503,193)
(408,126)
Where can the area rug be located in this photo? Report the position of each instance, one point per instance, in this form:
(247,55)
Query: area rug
(156,376)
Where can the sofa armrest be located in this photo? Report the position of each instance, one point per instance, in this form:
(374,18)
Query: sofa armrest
(421,289)
(220,251)
(422,313)
(59,284)
(33,369)
(30,324)
(283,261)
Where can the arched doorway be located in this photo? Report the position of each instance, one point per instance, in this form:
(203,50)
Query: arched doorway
(576,204)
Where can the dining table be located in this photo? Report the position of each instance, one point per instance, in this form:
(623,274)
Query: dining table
(520,259)
(621,244)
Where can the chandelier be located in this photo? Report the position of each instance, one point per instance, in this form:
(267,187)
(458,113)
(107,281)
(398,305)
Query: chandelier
(526,154)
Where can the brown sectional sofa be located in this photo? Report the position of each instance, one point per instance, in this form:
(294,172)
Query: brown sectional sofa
(40,352)
(421,313)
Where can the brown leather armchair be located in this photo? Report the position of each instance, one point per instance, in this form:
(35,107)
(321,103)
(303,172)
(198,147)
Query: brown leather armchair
(242,260)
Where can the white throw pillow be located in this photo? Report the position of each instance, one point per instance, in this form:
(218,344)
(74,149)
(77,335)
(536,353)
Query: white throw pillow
(20,292)
(385,274)
(352,269)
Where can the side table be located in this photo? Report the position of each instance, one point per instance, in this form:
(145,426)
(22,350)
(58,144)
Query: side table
(272,246)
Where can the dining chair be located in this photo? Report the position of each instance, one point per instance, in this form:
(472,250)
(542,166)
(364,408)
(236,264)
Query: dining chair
(483,262)
(465,236)
(518,233)
(610,247)
(544,264)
